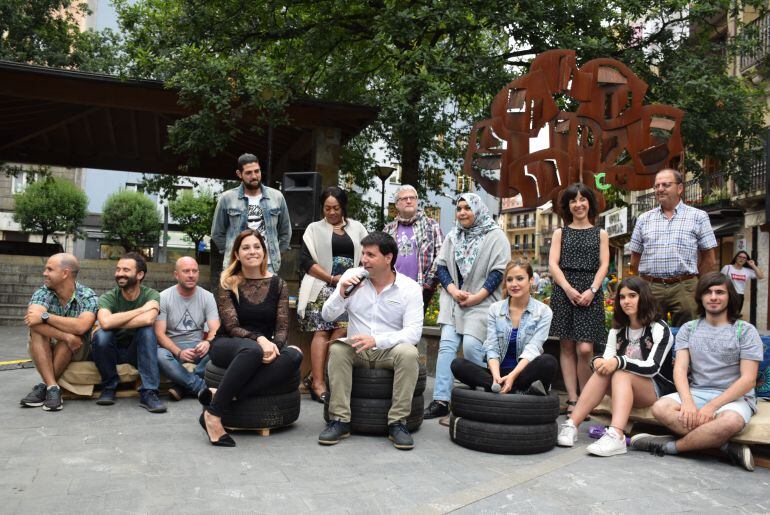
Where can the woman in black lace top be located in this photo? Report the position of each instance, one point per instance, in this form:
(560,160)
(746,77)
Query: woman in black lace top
(254,309)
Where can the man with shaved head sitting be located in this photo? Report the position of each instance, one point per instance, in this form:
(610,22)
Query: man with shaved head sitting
(60,316)
(186,310)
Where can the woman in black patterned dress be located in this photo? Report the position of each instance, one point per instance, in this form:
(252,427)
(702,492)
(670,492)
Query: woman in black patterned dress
(578,263)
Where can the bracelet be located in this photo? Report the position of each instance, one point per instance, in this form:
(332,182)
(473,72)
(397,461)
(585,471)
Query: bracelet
(178,354)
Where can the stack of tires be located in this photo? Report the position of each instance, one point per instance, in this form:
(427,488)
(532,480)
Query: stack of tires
(370,401)
(278,406)
(503,423)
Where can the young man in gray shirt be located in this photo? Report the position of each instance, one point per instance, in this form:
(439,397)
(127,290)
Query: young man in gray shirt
(722,354)
(186,310)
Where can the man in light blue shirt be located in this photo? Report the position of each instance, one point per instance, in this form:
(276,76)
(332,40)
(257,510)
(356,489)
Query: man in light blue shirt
(671,246)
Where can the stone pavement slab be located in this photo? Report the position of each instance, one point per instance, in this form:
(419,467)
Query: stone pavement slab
(122,459)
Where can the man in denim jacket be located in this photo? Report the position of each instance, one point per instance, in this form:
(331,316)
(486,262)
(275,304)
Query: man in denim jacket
(252,205)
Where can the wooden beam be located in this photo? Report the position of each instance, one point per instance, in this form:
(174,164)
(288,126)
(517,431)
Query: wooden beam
(48,128)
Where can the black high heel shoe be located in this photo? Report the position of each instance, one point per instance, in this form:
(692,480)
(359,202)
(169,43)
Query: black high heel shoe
(205,396)
(319,398)
(224,441)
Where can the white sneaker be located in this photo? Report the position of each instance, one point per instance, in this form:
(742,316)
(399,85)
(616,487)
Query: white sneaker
(608,445)
(567,435)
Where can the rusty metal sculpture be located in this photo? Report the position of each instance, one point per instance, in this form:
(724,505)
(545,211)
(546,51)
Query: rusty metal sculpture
(598,128)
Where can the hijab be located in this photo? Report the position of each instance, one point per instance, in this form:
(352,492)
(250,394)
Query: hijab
(467,241)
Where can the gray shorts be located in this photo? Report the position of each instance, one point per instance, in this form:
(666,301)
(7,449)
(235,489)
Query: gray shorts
(701,396)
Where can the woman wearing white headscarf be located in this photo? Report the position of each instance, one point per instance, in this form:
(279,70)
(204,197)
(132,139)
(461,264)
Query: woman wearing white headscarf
(470,268)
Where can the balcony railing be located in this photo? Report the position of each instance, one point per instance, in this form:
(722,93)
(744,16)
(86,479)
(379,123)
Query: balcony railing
(751,57)
(522,246)
(520,225)
(757,179)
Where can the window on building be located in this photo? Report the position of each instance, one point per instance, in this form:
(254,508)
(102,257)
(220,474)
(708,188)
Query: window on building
(135,186)
(22,179)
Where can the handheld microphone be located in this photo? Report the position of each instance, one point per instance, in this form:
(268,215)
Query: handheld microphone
(352,287)
(496,387)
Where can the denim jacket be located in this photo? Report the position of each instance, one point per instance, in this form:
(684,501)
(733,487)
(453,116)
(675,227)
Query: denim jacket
(231,217)
(533,330)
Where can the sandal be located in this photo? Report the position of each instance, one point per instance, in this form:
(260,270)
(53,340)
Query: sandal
(570,407)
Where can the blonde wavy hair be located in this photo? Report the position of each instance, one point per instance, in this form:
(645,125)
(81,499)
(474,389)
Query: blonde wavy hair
(232,277)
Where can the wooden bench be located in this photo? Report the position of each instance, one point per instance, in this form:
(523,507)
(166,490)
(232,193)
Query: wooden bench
(757,432)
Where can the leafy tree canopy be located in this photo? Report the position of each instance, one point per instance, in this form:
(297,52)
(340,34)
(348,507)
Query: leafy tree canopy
(194,214)
(46,32)
(432,66)
(50,205)
(131,219)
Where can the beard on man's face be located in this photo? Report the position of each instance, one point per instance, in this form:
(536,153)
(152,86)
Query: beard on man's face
(125,281)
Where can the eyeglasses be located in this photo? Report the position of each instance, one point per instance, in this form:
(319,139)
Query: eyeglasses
(408,198)
(664,185)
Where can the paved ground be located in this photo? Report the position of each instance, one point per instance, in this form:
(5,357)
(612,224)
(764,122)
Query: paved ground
(121,459)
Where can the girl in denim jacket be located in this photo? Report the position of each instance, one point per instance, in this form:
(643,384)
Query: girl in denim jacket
(517,328)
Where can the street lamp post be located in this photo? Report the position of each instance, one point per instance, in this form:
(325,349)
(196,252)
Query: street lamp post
(383,172)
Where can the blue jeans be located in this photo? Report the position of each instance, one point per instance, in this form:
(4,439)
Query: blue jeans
(173,369)
(142,353)
(447,352)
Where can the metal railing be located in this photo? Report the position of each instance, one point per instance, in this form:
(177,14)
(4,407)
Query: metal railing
(520,225)
(757,179)
(751,57)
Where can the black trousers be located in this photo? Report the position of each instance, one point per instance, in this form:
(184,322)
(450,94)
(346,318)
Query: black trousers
(542,368)
(246,375)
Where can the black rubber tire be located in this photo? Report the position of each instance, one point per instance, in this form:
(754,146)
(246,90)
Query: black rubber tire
(213,376)
(504,409)
(502,438)
(263,412)
(377,383)
(370,416)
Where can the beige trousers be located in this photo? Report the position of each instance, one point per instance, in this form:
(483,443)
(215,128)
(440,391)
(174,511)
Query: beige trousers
(402,359)
(677,299)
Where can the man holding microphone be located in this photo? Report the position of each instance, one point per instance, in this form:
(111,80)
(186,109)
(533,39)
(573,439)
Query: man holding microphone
(385,324)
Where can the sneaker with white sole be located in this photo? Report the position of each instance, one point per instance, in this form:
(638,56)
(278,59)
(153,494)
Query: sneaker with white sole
(651,443)
(567,435)
(35,398)
(53,400)
(740,455)
(608,445)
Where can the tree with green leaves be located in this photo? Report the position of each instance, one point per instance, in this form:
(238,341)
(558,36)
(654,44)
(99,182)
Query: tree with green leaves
(432,66)
(47,32)
(131,219)
(50,205)
(194,213)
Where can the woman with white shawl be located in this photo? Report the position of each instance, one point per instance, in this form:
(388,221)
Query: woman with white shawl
(470,269)
(329,247)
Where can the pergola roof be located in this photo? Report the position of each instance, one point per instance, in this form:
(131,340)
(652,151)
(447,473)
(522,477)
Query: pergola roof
(78,119)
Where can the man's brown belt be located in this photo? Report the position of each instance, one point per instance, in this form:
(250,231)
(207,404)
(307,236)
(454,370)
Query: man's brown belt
(668,280)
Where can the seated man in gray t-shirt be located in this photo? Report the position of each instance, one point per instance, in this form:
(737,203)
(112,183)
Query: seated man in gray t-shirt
(186,310)
(722,355)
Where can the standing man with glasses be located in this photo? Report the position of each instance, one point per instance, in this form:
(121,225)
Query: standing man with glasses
(252,205)
(671,246)
(419,241)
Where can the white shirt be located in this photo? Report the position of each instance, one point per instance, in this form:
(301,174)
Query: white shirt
(392,317)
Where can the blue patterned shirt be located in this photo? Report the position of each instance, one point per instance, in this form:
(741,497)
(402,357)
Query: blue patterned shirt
(670,248)
(84,299)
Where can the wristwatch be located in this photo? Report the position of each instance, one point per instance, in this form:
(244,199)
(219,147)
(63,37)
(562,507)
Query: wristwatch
(594,290)
(44,317)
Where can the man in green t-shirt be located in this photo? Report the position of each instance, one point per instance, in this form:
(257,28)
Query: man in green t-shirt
(125,335)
